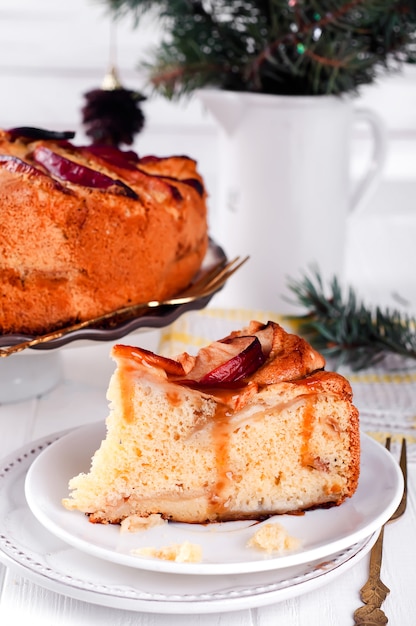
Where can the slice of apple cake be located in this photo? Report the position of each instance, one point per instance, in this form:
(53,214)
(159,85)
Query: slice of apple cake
(249,427)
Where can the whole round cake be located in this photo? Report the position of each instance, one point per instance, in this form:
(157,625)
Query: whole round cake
(89,229)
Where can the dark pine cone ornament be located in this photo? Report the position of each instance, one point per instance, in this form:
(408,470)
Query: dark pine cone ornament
(112,114)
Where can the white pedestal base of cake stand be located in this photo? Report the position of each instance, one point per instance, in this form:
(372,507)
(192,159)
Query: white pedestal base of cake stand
(29,374)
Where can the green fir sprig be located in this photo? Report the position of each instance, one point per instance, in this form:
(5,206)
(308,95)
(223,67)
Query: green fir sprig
(289,47)
(344,329)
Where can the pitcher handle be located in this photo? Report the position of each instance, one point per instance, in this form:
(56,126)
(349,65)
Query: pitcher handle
(371,177)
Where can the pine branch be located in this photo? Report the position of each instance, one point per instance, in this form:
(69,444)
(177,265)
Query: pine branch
(301,47)
(303,28)
(344,329)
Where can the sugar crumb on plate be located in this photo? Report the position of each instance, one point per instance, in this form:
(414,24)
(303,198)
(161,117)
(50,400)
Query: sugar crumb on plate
(273,537)
(185,552)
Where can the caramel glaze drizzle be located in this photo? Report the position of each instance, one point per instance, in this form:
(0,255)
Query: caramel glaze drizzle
(307,431)
(221,438)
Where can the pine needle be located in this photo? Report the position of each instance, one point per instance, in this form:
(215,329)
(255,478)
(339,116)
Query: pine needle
(347,331)
(274,46)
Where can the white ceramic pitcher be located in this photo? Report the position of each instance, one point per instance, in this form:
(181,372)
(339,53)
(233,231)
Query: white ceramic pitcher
(285,188)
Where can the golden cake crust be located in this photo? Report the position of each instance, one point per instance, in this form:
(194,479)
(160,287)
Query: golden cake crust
(69,252)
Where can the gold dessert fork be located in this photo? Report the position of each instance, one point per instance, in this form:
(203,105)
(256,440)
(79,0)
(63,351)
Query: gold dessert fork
(374,592)
(210,281)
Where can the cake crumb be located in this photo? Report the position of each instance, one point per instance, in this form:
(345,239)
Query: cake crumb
(185,552)
(135,523)
(273,537)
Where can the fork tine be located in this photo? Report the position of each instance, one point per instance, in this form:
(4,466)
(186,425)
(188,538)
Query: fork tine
(228,271)
(403,461)
(205,277)
(403,466)
(222,276)
(213,271)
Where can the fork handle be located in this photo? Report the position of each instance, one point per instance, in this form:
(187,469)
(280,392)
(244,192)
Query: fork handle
(374,591)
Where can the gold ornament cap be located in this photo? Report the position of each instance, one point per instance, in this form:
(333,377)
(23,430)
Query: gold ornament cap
(111,80)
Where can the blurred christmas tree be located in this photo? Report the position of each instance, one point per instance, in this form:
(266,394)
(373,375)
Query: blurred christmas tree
(295,47)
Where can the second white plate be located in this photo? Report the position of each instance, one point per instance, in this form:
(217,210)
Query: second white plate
(322,532)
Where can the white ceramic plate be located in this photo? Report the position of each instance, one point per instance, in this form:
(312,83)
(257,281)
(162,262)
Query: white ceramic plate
(322,532)
(27,547)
